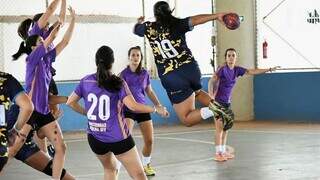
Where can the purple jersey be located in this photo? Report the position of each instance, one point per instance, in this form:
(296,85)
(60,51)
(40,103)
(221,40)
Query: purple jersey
(38,77)
(104,110)
(227,80)
(35,30)
(137,83)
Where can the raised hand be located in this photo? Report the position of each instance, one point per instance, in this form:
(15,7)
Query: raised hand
(140,19)
(72,12)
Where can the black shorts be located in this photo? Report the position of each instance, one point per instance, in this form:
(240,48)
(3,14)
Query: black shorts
(38,120)
(101,148)
(181,83)
(3,147)
(53,89)
(28,149)
(139,117)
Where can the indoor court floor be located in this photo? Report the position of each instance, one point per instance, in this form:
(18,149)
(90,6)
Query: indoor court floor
(263,150)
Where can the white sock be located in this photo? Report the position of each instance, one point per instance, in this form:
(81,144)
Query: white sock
(205,113)
(223,148)
(118,165)
(146,160)
(218,149)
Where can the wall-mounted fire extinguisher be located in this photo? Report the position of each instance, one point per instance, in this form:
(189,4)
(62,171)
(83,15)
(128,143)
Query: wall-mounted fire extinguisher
(264,49)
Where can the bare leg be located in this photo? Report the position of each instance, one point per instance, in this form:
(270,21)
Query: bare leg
(53,132)
(131,162)
(109,166)
(186,111)
(146,128)
(41,142)
(203,97)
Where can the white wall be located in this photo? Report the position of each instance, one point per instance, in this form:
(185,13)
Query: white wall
(293,41)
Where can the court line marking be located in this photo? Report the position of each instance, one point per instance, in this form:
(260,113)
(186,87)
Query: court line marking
(207,130)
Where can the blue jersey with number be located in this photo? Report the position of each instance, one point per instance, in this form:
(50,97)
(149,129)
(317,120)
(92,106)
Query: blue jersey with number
(104,110)
(169,46)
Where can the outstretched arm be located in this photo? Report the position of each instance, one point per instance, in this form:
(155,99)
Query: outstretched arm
(52,35)
(67,36)
(62,15)
(203,18)
(139,28)
(131,103)
(261,71)
(42,22)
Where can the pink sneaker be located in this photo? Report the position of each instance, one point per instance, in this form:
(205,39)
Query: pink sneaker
(228,155)
(219,157)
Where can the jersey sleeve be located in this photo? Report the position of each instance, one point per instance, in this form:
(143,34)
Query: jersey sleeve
(140,29)
(185,25)
(148,78)
(219,72)
(240,71)
(13,87)
(78,89)
(124,91)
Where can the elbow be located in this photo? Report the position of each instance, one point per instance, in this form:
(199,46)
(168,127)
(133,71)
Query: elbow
(28,108)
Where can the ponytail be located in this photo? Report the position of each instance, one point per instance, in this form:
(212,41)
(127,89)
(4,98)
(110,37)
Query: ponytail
(24,28)
(105,78)
(22,50)
(23,33)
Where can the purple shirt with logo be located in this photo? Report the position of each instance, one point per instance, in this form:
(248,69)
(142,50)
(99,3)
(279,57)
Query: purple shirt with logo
(227,80)
(38,77)
(104,110)
(137,83)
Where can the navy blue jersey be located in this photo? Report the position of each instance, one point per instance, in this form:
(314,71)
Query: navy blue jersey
(169,46)
(9,89)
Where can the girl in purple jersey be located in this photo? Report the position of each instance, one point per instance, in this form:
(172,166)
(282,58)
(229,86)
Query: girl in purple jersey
(39,25)
(38,77)
(220,88)
(104,95)
(138,80)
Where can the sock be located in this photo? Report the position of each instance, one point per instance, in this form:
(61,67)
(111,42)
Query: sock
(223,148)
(118,165)
(146,160)
(218,149)
(205,113)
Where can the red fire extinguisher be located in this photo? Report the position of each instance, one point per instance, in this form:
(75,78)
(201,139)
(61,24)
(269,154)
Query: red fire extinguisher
(264,49)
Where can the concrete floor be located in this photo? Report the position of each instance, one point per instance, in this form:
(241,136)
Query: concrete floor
(264,151)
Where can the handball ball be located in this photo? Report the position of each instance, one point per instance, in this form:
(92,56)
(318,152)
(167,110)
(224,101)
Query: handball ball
(231,20)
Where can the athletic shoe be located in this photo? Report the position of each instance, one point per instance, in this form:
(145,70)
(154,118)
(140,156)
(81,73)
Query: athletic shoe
(149,170)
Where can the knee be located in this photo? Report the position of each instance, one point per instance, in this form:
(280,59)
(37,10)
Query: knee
(61,147)
(186,123)
(111,170)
